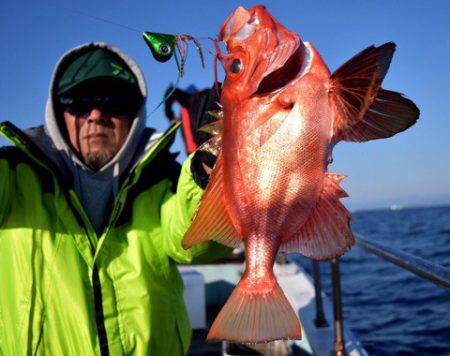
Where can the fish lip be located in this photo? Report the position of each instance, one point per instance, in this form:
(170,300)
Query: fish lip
(296,65)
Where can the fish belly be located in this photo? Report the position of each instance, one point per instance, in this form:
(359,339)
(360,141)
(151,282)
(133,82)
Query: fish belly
(278,169)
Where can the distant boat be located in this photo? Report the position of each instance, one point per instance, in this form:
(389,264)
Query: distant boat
(396,207)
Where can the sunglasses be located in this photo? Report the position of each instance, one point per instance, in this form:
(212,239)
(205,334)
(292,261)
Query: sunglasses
(111,106)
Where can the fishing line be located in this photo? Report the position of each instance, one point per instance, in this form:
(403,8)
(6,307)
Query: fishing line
(94,17)
(174,87)
(180,45)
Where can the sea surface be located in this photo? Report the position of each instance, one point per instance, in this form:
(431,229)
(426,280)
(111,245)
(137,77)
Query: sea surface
(392,311)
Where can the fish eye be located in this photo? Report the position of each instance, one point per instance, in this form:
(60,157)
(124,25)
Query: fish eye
(236,66)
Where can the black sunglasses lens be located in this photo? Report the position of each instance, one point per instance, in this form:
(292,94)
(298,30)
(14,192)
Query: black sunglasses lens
(110,106)
(115,108)
(79,108)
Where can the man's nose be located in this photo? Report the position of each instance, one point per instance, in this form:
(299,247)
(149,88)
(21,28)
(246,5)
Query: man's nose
(96,115)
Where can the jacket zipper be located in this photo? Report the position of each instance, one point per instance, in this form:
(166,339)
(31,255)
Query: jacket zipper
(11,133)
(99,316)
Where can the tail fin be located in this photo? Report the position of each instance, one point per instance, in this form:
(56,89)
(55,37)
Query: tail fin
(255,315)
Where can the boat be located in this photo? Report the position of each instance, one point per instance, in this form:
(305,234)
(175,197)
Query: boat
(208,286)
(396,207)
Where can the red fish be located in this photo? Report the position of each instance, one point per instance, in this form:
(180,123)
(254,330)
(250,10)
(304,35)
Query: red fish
(283,112)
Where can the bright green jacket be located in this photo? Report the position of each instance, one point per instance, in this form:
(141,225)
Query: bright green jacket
(66,291)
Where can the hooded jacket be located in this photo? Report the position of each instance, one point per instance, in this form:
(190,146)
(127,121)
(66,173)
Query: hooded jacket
(95,189)
(75,283)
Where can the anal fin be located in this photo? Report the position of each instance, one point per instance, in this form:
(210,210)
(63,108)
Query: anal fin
(326,234)
(212,221)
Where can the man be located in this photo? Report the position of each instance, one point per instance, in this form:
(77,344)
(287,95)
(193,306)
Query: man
(92,218)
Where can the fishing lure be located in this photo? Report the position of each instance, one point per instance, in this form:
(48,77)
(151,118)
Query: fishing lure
(165,46)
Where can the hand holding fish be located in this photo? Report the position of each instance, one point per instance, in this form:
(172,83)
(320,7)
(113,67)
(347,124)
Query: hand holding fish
(282,115)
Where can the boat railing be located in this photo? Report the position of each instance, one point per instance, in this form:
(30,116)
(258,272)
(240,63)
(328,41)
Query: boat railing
(432,272)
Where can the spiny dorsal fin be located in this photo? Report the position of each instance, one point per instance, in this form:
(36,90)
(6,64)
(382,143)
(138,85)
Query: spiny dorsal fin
(213,145)
(212,128)
(217,114)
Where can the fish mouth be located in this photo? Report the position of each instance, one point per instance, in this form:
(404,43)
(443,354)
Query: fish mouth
(293,68)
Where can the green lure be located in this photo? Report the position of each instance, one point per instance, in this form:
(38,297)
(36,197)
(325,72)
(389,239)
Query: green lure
(162,45)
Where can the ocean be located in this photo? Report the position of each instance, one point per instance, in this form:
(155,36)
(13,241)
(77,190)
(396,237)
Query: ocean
(392,311)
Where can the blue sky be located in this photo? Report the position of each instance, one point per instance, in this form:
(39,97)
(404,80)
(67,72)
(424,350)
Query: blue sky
(412,168)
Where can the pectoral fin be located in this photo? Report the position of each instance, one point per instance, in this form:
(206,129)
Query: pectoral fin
(212,221)
(326,234)
(362,110)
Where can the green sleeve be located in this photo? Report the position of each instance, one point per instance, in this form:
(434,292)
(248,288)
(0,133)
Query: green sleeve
(5,188)
(177,211)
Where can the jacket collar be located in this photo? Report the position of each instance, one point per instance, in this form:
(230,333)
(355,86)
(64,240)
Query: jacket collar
(20,140)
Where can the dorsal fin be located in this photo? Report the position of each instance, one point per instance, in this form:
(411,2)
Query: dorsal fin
(213,145)
(213,128)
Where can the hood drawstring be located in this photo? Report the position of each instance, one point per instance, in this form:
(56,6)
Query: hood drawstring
(116,178)
(76,175)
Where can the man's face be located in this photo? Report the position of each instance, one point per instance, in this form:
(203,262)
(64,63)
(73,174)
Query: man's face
(97,137)
(98,117)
